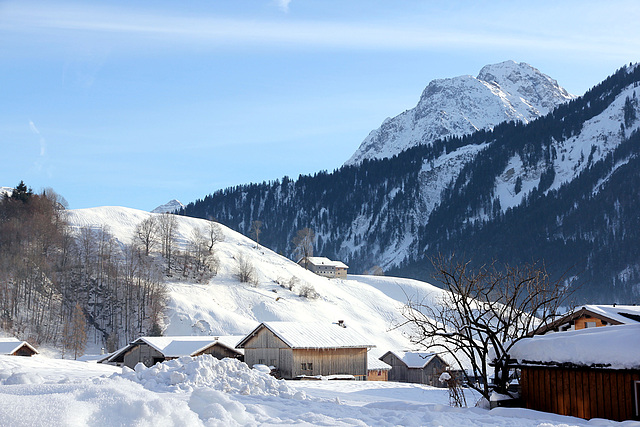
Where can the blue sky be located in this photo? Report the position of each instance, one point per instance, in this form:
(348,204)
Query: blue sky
(136,103)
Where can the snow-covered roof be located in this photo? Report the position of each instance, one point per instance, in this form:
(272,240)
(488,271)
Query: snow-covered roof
(611,314)
(616,347)
(11,345)
(178,346)
(375,364)
(413,359)
(320,260)
(312,335)
(624,314)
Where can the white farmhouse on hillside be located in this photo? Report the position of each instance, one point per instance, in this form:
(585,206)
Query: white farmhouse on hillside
(323,266)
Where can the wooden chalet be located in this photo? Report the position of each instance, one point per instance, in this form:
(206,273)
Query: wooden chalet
(377,370)
(298,350)
(592,316)
(15,347)
(325,267)
(151,350)
(415,367)
(591,373)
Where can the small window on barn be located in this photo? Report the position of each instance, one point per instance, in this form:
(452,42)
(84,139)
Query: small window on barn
(379,373)
(303,366)
(310,366)
(589,324)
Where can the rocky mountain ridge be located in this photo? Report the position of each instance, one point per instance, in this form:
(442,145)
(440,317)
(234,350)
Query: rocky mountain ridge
(462,105)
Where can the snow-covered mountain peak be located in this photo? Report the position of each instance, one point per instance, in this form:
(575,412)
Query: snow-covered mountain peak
(169,207)
(526,81)
(461,105)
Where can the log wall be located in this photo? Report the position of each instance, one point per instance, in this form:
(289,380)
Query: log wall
(581,392)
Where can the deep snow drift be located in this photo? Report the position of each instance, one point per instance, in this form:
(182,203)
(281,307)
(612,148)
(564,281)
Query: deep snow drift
(204,391)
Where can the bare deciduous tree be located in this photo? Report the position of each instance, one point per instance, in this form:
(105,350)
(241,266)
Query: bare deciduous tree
(214,234)
(245,271)
(146,234)
(256,229)
(376,270)
(483,309)
(168,225)
(75,332)
(308,291)
(303,243)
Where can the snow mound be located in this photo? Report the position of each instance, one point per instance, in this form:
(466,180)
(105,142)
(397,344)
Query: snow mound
(23,378)
(226,375)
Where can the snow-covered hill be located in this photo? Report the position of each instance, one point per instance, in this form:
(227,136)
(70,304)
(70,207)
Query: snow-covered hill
(224,306)
(462,105)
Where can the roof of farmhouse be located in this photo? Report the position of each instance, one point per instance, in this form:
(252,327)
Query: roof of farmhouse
(178,346)
(298,335)
(615,347)
(10,345)
(320,260)
(414,359)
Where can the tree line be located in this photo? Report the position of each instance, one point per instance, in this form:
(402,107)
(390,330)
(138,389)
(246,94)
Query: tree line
(65,285)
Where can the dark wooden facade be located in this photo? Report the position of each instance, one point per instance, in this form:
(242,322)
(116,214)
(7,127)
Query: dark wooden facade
(428,374)
(14,347)
(581,392)
(25,350)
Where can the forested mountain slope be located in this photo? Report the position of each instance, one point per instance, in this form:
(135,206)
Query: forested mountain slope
(553,190)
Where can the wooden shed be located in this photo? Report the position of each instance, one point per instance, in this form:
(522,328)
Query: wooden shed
(298,350)
(151,350)
(415,367)
(15,347)
(591,373)
(377,370)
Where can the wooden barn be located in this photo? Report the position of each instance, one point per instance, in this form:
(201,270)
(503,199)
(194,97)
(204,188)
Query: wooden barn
(415,367)
(377,370)
(15,347)
(591,373)
(151,350)
(593,316)
(298,350)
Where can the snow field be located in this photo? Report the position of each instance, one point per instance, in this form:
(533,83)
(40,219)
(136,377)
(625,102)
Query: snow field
(203,391)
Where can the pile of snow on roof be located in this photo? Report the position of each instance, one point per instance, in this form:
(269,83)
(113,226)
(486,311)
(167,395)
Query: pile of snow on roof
(313,335)
(414,359)
(226,375)
(616,347)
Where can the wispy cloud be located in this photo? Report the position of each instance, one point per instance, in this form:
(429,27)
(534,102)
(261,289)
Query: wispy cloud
(283,5)
(149,32)
(43,142)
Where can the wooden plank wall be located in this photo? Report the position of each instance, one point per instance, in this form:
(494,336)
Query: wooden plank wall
(584,393)
(350,361)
